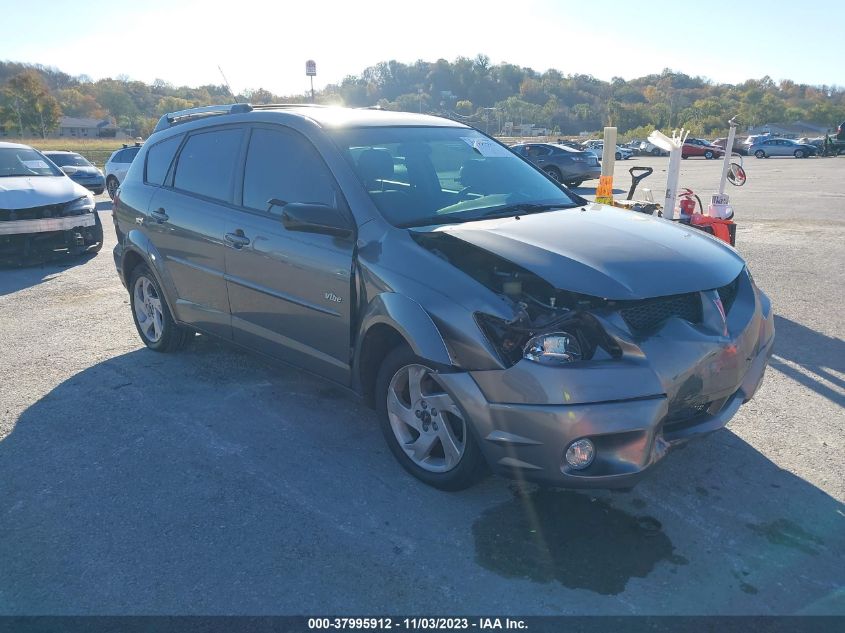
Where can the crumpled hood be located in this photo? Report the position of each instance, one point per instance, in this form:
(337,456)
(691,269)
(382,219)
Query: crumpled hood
(607,252)
(25,192)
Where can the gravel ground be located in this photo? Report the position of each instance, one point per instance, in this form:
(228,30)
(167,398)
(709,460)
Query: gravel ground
(212,482)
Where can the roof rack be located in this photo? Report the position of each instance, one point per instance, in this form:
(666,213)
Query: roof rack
(183,116)
(274,106)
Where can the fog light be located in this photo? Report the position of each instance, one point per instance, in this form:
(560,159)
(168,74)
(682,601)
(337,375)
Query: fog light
(580,454)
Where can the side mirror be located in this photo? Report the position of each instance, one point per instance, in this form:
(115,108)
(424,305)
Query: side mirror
(312,217)
(69,170)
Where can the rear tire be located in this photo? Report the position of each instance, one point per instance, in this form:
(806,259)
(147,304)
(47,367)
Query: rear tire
(655,152)
(403,384)
(760,154)
(156,326)
(618,155)
(553,173)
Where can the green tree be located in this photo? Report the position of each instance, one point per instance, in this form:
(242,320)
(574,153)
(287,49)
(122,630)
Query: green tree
(464,106)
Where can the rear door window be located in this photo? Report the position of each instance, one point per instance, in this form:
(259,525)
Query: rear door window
(206,164)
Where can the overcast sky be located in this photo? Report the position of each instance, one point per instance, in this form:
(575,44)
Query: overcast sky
(265,44)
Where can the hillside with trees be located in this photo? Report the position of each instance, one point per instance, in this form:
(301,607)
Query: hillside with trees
(32,98)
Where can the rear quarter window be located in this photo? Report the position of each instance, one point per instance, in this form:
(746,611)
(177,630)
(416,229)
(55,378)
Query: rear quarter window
(159,157)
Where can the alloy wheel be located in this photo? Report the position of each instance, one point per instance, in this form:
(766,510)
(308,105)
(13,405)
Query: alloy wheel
(148,309)
(425,421)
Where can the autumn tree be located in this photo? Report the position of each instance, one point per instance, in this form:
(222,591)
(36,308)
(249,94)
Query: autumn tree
(26,100)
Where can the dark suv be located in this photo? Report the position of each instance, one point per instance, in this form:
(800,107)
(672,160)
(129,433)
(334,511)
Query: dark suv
(489,315)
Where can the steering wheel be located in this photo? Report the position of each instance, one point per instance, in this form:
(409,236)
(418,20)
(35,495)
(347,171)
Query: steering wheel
(462,194)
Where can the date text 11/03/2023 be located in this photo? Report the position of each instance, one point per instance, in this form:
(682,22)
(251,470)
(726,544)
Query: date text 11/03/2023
(416,624)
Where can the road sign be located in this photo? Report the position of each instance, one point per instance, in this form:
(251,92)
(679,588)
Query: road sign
(311,68)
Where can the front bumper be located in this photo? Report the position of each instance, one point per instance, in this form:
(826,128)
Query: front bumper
(22,238)
(46,225)
(92,183)
(687,383)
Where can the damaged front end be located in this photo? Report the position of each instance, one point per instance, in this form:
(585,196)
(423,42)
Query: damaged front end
(73,227)
(614,383)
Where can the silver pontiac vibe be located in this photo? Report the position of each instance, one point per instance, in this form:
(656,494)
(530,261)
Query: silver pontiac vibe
(489,315)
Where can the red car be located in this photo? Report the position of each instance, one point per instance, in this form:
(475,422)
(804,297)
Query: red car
(699,147)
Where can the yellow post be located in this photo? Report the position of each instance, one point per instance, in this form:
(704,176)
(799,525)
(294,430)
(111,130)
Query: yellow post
(604,193)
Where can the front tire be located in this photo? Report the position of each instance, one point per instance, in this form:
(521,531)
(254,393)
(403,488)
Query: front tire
(708,155)
(426,430)
(799,153)
(153,320)
(574,183)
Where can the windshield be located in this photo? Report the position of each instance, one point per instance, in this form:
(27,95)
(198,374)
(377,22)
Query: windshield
(430,175)
(63,160)
(24,161)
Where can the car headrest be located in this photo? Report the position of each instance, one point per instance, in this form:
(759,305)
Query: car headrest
(375,164)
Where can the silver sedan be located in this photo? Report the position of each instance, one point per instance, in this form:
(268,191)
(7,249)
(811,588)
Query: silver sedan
(781,147)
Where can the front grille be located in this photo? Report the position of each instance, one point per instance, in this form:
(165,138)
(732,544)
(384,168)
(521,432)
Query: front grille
(37,213)
(728,294)
(648,314)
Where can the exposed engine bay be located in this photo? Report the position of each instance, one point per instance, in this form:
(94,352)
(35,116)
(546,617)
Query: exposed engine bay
(538,306)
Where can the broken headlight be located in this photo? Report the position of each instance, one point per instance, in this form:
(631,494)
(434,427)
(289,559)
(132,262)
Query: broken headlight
(553,349)
(85,204)
(571,338)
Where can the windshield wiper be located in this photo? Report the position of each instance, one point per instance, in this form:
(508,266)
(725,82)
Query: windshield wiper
(524,208)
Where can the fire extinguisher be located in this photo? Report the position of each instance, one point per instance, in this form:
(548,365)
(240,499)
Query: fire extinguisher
(686,203)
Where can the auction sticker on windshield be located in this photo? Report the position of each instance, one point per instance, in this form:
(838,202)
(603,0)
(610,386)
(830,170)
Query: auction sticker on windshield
(485,147)
(35,164)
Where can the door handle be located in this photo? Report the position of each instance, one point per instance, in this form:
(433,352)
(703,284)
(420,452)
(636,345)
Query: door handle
(236,240)
(159,216)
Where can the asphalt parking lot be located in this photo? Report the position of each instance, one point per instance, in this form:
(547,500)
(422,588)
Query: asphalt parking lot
(213,482)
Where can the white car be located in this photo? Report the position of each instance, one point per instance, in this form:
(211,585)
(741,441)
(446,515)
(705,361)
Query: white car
(117,165)
(597,147)
(41,208)
(647,147)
